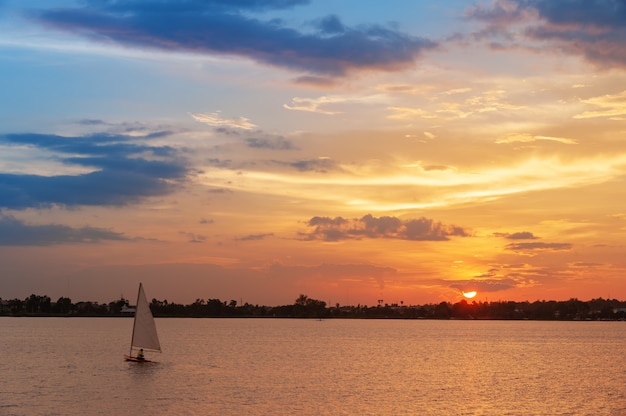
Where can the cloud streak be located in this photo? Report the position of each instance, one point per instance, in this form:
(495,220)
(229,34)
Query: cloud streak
(215,120)
(527,248)
(14,232)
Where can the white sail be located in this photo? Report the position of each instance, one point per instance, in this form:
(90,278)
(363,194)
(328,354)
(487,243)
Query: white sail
(144,330)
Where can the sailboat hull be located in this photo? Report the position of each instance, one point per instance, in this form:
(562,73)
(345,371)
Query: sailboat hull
(136,360)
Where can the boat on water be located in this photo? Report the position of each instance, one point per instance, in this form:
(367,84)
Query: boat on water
(145,337)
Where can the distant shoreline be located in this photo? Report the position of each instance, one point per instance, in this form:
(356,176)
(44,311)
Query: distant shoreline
(308,308)
(309,318)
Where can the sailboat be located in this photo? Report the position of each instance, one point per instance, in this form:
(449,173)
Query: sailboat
(144,331)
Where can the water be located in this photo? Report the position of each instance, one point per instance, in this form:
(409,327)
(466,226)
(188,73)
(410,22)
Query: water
(74,366)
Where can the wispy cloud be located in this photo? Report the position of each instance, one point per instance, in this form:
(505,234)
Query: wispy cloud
(521,235)
(609,105)
(193,237)
(438,185)
(321,104)
(255,237)
(532,248)
(215,120)
(322,164)
(14,232)
(529,138)
(313,105)
(277,143)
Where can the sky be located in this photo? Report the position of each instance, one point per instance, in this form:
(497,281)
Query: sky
(352,151)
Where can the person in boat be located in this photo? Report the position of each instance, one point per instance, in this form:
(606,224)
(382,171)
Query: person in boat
(140,354)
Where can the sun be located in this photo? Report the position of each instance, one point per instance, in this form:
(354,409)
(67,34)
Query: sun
(470,295)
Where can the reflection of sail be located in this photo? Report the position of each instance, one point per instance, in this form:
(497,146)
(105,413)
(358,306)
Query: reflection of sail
(144,330)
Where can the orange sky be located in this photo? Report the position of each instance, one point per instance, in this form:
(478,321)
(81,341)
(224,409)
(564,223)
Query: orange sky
(405,154)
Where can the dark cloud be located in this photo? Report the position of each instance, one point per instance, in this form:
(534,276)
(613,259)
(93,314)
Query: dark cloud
(421,229)
(313,165)
(14,232)
(278,143)
(194,238)
(315,81)
(228,27)
(595,29)
(123,172)
(586,264)
(219,163)
(524,235)
(600,14)
(198,6)
(219,191)
(255,237)
(530,247)
(331,25)
(91,122)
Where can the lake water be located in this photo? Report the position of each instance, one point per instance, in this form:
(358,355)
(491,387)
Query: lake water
(75,366)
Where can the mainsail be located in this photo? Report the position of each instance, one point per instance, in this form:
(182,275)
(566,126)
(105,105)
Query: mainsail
(144,330)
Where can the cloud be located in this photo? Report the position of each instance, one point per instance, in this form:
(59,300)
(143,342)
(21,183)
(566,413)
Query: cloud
(133,129)
(408,113)
(528,138)
(421,229)
(320,165)
(524,235)
(594,29)
(215,120)
(230,28)
(584,265)
(315,81)
(255,237)
(14,232)
(320,104)
(609,105)
(121,171)
(313,105)
(193,237)
(529,248)
(278,143)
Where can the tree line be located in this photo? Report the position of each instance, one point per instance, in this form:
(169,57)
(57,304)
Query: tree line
(306,307)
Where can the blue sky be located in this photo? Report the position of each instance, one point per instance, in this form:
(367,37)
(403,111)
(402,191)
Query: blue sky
(348,150)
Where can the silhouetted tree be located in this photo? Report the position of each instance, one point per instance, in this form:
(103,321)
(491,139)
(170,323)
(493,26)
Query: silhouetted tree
(63,306)
(306,307)
(16,306)
(442,311)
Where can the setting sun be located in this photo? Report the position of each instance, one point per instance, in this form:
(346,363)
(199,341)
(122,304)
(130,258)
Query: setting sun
(469,295)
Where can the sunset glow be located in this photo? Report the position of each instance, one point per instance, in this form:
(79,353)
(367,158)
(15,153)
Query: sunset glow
(405,152)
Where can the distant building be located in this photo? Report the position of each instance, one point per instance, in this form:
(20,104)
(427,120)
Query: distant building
(127,310)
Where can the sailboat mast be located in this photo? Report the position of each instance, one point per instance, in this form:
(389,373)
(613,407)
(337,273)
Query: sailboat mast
(132,337)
